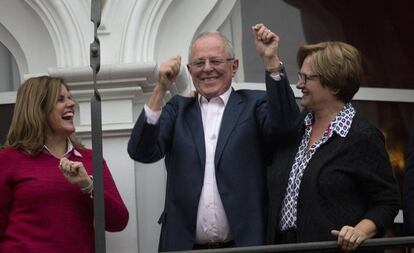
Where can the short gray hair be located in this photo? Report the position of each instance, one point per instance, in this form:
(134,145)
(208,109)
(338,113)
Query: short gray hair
(228,46)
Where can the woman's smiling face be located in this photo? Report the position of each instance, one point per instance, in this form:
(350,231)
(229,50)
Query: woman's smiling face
(61,117)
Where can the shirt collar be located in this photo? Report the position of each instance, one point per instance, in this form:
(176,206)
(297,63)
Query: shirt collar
(308,119)
(343,120)
(223,97)
(70,149)
(341,123)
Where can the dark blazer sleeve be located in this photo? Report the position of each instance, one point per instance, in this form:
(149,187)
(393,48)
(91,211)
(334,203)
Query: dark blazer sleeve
(408,195)
(377,180)
(282,111)
(149,143)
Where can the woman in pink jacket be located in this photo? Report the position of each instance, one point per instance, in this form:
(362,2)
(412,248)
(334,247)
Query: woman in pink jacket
(46,185)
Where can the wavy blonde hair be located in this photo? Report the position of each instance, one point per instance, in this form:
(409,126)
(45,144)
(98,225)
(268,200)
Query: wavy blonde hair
(35,100)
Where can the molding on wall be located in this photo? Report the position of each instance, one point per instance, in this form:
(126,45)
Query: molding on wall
(218,15)
(385,95)
(26,36)
(109,76)
(65,28)
(10,42)
(141,30)
(8,97)
(364,93)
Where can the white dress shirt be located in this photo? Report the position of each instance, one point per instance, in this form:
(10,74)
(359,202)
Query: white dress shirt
(70,149)
(212,223)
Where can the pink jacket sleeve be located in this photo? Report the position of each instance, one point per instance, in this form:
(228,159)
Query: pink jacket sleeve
(5,192)
(116,213)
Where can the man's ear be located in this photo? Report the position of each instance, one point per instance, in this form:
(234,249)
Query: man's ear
(235,66)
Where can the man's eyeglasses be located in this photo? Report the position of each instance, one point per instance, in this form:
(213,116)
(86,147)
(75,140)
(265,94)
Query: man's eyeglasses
(303,77)
(200,63)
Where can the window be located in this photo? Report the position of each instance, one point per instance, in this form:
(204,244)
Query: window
(6,112)
(9,74)
(9,81)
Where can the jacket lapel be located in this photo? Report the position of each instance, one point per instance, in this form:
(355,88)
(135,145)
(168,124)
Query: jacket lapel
(231,115)
(195,123)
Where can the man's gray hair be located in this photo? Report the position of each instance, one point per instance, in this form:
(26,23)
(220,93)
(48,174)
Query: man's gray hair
(228,46)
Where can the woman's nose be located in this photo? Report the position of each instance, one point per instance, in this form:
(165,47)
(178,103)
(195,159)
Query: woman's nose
(70,103)
(300,84)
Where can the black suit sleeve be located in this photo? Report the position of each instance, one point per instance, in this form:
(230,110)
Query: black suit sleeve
(149,143)
(377,180)
(282,111)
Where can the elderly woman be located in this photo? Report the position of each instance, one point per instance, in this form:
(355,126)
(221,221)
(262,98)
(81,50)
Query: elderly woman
(333,179)
(46,189)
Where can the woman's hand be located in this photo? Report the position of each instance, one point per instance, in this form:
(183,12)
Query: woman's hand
(349,238)
(75,173)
